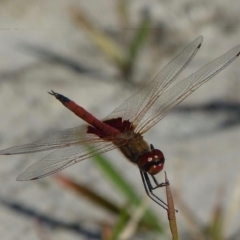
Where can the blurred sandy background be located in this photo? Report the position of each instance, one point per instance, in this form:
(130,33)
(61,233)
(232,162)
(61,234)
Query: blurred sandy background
(202,147)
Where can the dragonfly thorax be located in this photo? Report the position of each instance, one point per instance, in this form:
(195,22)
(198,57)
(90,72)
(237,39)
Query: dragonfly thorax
(152,161)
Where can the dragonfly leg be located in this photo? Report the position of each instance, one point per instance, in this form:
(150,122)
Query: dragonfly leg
(149,190)
(158,185)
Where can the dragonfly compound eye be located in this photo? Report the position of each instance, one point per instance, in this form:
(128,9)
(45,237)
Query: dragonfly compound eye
(151,162)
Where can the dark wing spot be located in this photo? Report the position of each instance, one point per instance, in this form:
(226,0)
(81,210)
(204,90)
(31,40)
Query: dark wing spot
(122,126)
(116,123)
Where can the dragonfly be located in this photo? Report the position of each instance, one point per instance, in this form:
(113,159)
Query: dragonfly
(124,127)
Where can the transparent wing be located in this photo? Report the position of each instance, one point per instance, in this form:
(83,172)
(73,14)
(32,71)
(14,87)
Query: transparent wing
(61,139)
(177,93)
(75,145)
(134,108)
(63,158)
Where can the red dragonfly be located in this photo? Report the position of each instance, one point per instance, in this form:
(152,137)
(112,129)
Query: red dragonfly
(124,127)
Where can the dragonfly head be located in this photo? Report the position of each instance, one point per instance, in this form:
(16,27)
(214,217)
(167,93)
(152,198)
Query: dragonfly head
(152,161)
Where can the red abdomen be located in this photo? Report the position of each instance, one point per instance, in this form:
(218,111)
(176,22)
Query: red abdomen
(85,115)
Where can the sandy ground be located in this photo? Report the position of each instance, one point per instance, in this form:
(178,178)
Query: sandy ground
(201,147)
